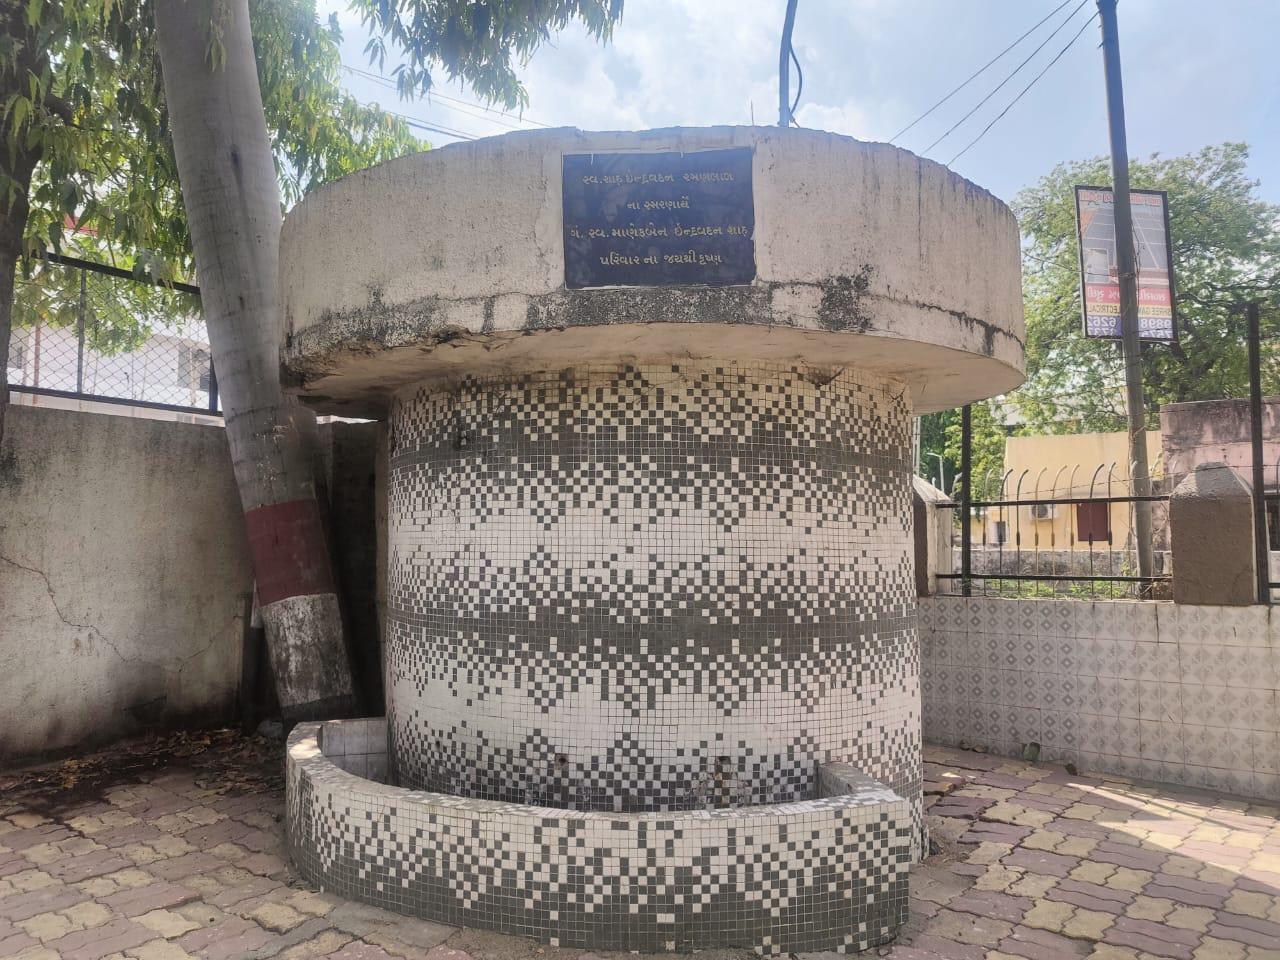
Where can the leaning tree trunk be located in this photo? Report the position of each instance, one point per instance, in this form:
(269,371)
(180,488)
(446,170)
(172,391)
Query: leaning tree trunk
(233,208)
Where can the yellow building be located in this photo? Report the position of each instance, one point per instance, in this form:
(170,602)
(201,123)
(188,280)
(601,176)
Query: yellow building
(1057,466)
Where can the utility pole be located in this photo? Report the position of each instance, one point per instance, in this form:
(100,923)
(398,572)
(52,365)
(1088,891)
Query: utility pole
(942,473)
(1130,342)
(784,66)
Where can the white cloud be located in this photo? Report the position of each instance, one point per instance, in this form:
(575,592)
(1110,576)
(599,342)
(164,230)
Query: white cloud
(871,66)
(846,118)
(671,62)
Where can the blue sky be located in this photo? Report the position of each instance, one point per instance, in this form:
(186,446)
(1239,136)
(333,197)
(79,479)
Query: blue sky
(1196,73)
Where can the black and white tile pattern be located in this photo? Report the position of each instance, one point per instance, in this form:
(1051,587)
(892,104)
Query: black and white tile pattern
(825,874)
(1161,691)
(652,588)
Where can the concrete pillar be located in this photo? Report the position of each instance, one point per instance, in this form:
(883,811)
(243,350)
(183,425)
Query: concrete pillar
(1211,534)
(932,535)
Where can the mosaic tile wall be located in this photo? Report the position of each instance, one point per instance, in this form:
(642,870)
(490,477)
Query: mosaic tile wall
(1159,691)
(652,588)
(824,874)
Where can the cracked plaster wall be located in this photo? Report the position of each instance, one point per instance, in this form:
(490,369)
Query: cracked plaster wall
(124,576)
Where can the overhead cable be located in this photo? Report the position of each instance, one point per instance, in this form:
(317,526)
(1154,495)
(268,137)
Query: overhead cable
(981,70)
(1012,74)
(1024,90)
(477,110)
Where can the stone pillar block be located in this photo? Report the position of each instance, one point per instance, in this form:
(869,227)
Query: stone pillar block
(932,535)
(1211,533)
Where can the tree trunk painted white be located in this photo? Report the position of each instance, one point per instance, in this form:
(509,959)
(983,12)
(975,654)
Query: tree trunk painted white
(233,207)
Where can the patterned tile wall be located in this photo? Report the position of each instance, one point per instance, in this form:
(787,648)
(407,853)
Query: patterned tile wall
(1180,694)
(357,746)
(655,587)
(823,874)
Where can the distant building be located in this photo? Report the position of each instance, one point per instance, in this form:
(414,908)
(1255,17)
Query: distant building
(1064,466)
(1095,466)
(1218,430)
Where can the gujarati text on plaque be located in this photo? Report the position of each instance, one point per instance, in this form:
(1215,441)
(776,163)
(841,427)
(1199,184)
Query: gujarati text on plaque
(647,219)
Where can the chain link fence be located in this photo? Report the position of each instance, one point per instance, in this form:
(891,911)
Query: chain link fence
(88,331)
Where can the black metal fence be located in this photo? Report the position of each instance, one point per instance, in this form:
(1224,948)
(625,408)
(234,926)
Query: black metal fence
(1071,532)
(1072,536)
(90,331)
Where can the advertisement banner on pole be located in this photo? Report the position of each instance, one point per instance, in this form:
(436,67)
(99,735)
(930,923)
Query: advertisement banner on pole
(1153,255)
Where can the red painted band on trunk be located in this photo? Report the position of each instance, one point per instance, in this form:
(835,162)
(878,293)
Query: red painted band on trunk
(287,543)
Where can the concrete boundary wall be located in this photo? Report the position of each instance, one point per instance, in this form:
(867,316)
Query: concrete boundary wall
(124,579)
(1161,691)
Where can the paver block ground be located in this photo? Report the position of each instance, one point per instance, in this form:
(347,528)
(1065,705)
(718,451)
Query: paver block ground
(167,850)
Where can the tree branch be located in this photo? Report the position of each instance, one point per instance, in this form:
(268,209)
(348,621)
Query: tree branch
(60,108)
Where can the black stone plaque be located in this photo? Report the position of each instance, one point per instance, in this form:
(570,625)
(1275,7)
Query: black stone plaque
(648,219)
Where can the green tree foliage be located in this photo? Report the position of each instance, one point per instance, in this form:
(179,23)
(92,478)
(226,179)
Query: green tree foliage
(1226,250)
(986,454)
(933,444)
(474,42)
(106,161)
(940,435)
(82,105)
(119,315)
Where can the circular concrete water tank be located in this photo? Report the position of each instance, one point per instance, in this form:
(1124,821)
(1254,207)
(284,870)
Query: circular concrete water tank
(649,399)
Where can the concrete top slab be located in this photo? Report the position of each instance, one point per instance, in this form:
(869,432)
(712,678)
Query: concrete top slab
(452,262)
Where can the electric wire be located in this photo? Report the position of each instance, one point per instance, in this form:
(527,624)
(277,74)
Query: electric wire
(476,110)
(981,70)
(418,123)
(383,81)
(519,117)
(423,124)
(1012,74)
(431,128)
(1024,90)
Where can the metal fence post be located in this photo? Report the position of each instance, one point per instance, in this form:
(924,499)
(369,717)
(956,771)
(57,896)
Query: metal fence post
(966,497)
(1261,546)
(80,335)
(213,384)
